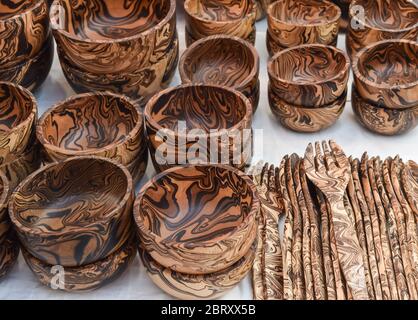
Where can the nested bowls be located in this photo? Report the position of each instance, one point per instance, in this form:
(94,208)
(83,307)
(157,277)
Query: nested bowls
(75,212)
(197,219)
(223,60)
(211,17)
(292,23)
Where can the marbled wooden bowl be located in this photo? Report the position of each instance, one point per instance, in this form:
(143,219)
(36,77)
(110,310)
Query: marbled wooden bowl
(9,252)
(205,286)
(386,74)
(374,21)
(383,121)
(312,75)
(292,23)
(74,212)
(223,60)
(213,17)
(197,219)
(4,217)
(303,119)
(204,114)
(93,124)
(18,113)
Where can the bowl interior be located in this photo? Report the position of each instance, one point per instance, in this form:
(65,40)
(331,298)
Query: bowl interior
(110,19)
(89,121)
(194,204)
(219,10)
(70,194)
(9,8)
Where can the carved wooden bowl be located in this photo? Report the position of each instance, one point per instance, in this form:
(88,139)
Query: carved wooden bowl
(197,219)
(18,113)
(383,121)
(202,114)
(386,74)
(4,197)
(309,75)
(74,212)
(213,17)
(223,60)
(99,124)
(206,286)
(374,21)
(303,119)
(9,252)
(292,23)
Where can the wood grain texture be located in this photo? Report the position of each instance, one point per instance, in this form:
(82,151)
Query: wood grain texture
(4,217)
(9,252)
(262,6)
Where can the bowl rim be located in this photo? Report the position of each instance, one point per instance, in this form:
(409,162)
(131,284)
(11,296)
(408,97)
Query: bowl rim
(116,211)
(5,193)
(160,25)
(188,53)
(150,121)
(304,25)
(255,206)
(273,75)
(89,151)
(384,86)
(29,9)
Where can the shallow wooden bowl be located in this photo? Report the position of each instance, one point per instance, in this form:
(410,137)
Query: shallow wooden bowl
(383,121)
(193,111)
(206,286)
(18,113)
(374,21)
(24,30)
(4,197)
(309,75)
(292,23)
(303,119)
(9,252)
(386,74)
(74,212)
(223,60)
(197,219)
(213,17)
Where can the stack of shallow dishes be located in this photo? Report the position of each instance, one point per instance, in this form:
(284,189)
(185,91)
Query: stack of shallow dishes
(129,48)
(197,226)
(26,44)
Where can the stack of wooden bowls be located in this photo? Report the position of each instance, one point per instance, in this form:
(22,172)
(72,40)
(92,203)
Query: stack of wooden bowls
(74,222)
(308,86)
(128,48)
(26,43)
(96,124)
(197,226)
(385,91)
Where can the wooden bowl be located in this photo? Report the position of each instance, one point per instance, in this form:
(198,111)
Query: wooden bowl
(24,30)
(292,23)
(380,20)
(386,74)
(9,252)
(303,119)
(202,114)
(4,217)
(309,75)
(223,60)
(213,17)
(197,219)
(190,287)
(18,113)
(383,121)
(74,212)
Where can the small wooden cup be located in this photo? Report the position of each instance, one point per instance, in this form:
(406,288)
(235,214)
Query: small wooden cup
(9,252)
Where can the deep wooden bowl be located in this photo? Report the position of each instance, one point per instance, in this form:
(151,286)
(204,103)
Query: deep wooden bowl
(9,252)
(386,74)
(383,121)
(18,113)
(223,60)
(303,119)
(374,21)
(309,75)
(74,212)
(213,17)
(197,219)
(292,23)
(190,287)
(24,30)
(199,110)
(4,217)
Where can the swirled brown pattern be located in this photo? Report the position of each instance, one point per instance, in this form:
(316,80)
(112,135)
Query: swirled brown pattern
(410,186)
(9,251)
(4,217)
(262,6)
(74,212)
(197,219)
